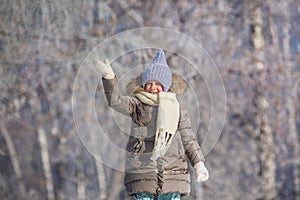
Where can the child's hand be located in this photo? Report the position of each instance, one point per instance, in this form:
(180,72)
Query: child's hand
(105,68)
(201,172)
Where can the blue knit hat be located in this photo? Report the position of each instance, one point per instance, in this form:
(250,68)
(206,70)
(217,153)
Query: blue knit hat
(158,70)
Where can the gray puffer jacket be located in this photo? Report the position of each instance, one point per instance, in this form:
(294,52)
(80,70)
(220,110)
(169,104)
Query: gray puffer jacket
(168,173)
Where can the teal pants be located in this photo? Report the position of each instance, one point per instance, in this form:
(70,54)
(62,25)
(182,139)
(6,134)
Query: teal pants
(148,196)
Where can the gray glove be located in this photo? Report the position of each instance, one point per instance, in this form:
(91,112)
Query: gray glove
(105,68)
(201,172)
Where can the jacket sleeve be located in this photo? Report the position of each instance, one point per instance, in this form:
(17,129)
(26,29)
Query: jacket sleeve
(190,143)
(122,104)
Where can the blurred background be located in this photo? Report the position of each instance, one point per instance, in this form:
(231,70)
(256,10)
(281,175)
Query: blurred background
(255,44)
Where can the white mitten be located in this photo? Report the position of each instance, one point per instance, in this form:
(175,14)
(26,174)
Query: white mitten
(105,68)
(201,172)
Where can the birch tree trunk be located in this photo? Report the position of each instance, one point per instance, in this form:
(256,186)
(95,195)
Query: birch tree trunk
(198,191)
(46,163)
(80,185)
(261,104)
(294,138)
(13,156)
(101,180)
(291,107)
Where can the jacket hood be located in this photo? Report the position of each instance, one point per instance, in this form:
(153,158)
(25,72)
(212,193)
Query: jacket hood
(179,85)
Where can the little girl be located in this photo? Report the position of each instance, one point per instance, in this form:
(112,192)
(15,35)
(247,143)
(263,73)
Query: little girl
(161,138)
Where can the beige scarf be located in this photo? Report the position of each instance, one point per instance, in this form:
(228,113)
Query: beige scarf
(167,119)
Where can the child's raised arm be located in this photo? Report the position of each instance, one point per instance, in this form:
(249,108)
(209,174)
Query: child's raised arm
(123,104)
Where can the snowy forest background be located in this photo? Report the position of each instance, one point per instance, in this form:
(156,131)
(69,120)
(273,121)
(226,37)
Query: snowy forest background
(255,44)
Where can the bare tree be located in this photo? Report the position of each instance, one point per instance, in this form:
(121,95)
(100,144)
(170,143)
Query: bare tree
(46,162)
(291,108)
(101,180)
(265,138)
(13,156)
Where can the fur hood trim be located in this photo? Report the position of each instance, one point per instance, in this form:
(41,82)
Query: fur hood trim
(179,85)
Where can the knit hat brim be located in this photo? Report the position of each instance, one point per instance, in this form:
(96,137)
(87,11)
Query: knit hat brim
(158,70)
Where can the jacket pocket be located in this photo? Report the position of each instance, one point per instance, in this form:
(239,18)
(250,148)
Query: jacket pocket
(135,145)
(181,151)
